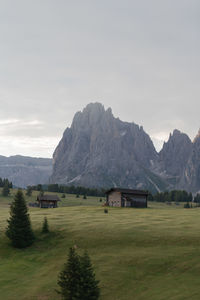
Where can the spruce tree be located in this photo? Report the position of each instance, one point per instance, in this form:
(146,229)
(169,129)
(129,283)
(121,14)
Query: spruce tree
(45,226)
(69,278)
(19,229)
(6,190)
(29,191)
(77,279)
(89,285)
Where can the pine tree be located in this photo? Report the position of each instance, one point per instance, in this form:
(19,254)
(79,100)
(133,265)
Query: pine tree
(89,285)
(29,191)
(6,190)
(19,229)
(69,278)
(77,279)
(45,226)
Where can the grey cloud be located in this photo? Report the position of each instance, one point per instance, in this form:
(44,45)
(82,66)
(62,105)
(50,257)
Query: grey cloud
(139,57)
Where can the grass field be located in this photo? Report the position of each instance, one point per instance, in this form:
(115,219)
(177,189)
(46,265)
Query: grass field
(138,254)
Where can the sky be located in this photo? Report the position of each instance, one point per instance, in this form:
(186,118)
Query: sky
(141,58)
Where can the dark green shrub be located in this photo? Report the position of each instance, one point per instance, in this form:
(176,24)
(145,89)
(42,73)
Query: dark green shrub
(45,226)
(187,205)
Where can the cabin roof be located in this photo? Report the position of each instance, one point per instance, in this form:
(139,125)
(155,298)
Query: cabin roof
(127,191)
(48,198)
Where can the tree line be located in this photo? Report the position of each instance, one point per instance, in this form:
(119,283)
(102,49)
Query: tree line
(5,182)
(77,190)
(172,196)
(6,185)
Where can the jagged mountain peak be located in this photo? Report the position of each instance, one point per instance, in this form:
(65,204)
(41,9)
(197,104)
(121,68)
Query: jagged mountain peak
(94,107)
(197,137)
(93,113)
(101,150)
(191,176)
(177,134)
(174,155)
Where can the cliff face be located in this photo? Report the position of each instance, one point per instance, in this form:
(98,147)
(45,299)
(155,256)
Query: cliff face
(173,158)
(99,150)
(191,176)
(174,155)
(24,171)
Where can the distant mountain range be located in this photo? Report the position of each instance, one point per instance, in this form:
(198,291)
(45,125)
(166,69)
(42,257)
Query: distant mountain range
(99,150)
(24,171)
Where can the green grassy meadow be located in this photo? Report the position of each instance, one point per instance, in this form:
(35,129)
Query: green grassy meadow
(138,254)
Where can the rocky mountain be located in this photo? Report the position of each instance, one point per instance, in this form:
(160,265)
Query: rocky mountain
(24,171)
(99,150)
(190,178)
(173,158)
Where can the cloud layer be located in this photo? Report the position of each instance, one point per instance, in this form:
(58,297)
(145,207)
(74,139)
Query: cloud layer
(139,57)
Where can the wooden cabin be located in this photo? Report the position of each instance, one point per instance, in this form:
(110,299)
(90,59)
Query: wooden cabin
(48,201)
(126,198)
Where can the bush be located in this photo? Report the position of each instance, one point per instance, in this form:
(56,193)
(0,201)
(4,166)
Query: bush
(187,205)
(45,226)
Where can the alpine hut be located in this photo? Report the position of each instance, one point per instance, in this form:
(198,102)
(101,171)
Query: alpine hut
(126,198)
(48,201)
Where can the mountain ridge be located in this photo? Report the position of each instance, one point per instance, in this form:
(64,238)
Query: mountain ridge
(99,150)
(25,170)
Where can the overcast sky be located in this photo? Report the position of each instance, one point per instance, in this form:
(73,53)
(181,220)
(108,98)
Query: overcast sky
(141,58)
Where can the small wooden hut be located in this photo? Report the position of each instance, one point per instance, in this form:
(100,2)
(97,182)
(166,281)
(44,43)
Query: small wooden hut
(48,201)
(126,198)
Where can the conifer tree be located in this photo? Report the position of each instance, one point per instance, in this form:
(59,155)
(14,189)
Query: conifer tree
(77,279)
(29,191)
(45,226)
(69,278)
(89,285)
(19,229)
(6,190)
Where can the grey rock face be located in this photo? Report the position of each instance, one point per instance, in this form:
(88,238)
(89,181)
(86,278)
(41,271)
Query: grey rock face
(173,158)
(102,151)
(99,150)
(191,176)
(24,171)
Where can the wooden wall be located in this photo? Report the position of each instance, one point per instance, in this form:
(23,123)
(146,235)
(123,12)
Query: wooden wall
(114,199)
